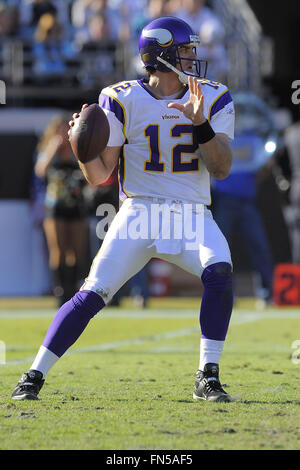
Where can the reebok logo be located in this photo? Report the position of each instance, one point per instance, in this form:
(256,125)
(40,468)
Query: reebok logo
(170,116)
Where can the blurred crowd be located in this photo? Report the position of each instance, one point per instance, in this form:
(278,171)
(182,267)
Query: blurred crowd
(60,30)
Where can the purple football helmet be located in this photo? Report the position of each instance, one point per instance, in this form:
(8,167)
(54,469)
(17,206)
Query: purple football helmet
(159,46)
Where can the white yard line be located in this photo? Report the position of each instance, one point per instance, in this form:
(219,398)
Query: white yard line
(238,318)
(111,314)
(142,314)
(118,344)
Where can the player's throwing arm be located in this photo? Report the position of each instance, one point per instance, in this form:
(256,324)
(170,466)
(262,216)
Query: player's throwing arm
(88,135)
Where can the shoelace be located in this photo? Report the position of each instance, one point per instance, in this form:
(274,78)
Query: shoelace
(213,386)
(27,385)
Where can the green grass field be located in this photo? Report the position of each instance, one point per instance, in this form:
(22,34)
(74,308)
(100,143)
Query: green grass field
(128,381)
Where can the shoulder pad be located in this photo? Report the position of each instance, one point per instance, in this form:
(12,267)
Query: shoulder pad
(216,95)
(215,88)
(120,88)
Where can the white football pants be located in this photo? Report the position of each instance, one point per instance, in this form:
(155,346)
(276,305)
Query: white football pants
(145,228)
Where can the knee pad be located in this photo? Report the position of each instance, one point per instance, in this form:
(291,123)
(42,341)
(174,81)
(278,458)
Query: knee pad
(217,274)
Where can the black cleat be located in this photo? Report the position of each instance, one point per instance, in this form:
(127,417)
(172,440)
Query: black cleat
(208,386)
(29,386)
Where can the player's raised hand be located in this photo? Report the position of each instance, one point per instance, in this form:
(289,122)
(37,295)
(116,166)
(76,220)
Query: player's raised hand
(193,108)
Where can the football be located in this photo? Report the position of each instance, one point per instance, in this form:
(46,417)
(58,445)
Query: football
(90,133)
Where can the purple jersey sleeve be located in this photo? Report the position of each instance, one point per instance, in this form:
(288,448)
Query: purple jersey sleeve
(110,104)
(221,102)
(222,115)
(115,115)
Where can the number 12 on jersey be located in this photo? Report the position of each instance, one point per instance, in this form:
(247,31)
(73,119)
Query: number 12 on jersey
(152,133)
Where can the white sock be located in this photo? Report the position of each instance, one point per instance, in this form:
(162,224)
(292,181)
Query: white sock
(210,351)
(44,360)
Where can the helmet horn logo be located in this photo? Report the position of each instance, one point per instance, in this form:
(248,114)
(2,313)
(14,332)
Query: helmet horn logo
(162,36)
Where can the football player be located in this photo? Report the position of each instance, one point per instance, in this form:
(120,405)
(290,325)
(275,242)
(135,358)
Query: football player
(169,132)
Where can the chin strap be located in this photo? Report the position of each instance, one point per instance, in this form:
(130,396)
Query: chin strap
(182,76)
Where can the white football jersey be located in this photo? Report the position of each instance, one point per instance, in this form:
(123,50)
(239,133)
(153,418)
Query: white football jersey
(160,157)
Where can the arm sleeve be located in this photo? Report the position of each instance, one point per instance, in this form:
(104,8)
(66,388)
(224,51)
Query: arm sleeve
(115,115)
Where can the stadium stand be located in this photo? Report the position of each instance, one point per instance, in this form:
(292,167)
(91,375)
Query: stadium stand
(83,62)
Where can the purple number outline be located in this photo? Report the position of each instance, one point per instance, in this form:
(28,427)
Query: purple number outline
(154,163)
(177,165)
(152,132)
(120,88)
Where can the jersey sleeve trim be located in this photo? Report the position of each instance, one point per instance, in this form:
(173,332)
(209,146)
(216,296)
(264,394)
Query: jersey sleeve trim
(122,171)
(106,102)
(113,104)
(219,103)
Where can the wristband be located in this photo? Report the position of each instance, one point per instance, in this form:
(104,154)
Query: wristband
(203,133)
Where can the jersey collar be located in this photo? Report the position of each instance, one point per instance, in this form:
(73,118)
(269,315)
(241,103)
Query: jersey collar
(143,82)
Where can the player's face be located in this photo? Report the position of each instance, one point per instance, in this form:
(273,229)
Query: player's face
(187,52)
